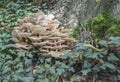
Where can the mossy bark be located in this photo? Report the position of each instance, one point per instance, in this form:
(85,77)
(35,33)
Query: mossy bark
(74,12)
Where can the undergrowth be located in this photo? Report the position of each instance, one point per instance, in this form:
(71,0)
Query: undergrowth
(90,57)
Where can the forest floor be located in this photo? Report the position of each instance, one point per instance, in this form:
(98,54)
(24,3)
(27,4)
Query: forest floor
(82,64)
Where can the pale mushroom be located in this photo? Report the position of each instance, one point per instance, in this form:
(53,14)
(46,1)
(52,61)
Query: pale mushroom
(15,40)
(54,38)
(63,35)
(61,41)
(44,50)
(17,28)
(34,39)
(69,39)
(55,54)
(22,46)
(39,32)
(36,31)
(66,30)
(20,21)
(48,47)
(41,43)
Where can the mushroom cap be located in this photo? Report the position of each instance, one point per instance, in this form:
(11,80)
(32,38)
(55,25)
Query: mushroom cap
(16,33)
(28,19)
(17,28)
(24,35)
(15,40)
(50,17)
(44,50)
(63,35)
(36,15)
(54,38)
(48,47)
(54,34)
(69,39)
(55,54)
(37,31)
(55,43)
(45,34)
(66,30)
(41,43)
(55,47)
(34,39)
(20,21)
(27,24)
(22,46)
(60,41)
(64,46)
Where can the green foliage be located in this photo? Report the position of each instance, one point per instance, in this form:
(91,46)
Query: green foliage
(14,65)
(15,11)
(104,25)
(115,40)
(18,66)
(76,32)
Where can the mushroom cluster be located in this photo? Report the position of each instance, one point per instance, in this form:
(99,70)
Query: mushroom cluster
(40,33)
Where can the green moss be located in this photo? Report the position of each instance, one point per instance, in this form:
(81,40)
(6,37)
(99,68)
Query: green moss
(75,33)
(104,24)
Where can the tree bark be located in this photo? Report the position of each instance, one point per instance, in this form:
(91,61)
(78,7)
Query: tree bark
(73,12)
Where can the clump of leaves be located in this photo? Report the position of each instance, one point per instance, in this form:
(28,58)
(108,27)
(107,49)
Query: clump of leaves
(104,25)
(93,60)
(95,54)
(13,12)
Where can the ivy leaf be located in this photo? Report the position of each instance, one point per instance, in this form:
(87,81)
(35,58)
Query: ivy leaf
(48,59)
(5,47)
(45,80)
(85,71)
(75,78)
(21,54)
(28,61)
(28,79)
(103,42)
(6,81)
(58,62)
(71,69)
(87,64)
(66,55)
(90,54)
(6,70)
(60,71)
(30,55)
(107,65)
(80,46)
(16,78)
(47,65)
(52,69)
(41,59)
(112,57)
(20,70)
(63,65)
(115,40)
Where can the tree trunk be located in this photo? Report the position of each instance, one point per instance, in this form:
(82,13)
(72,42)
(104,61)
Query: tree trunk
(73,12)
